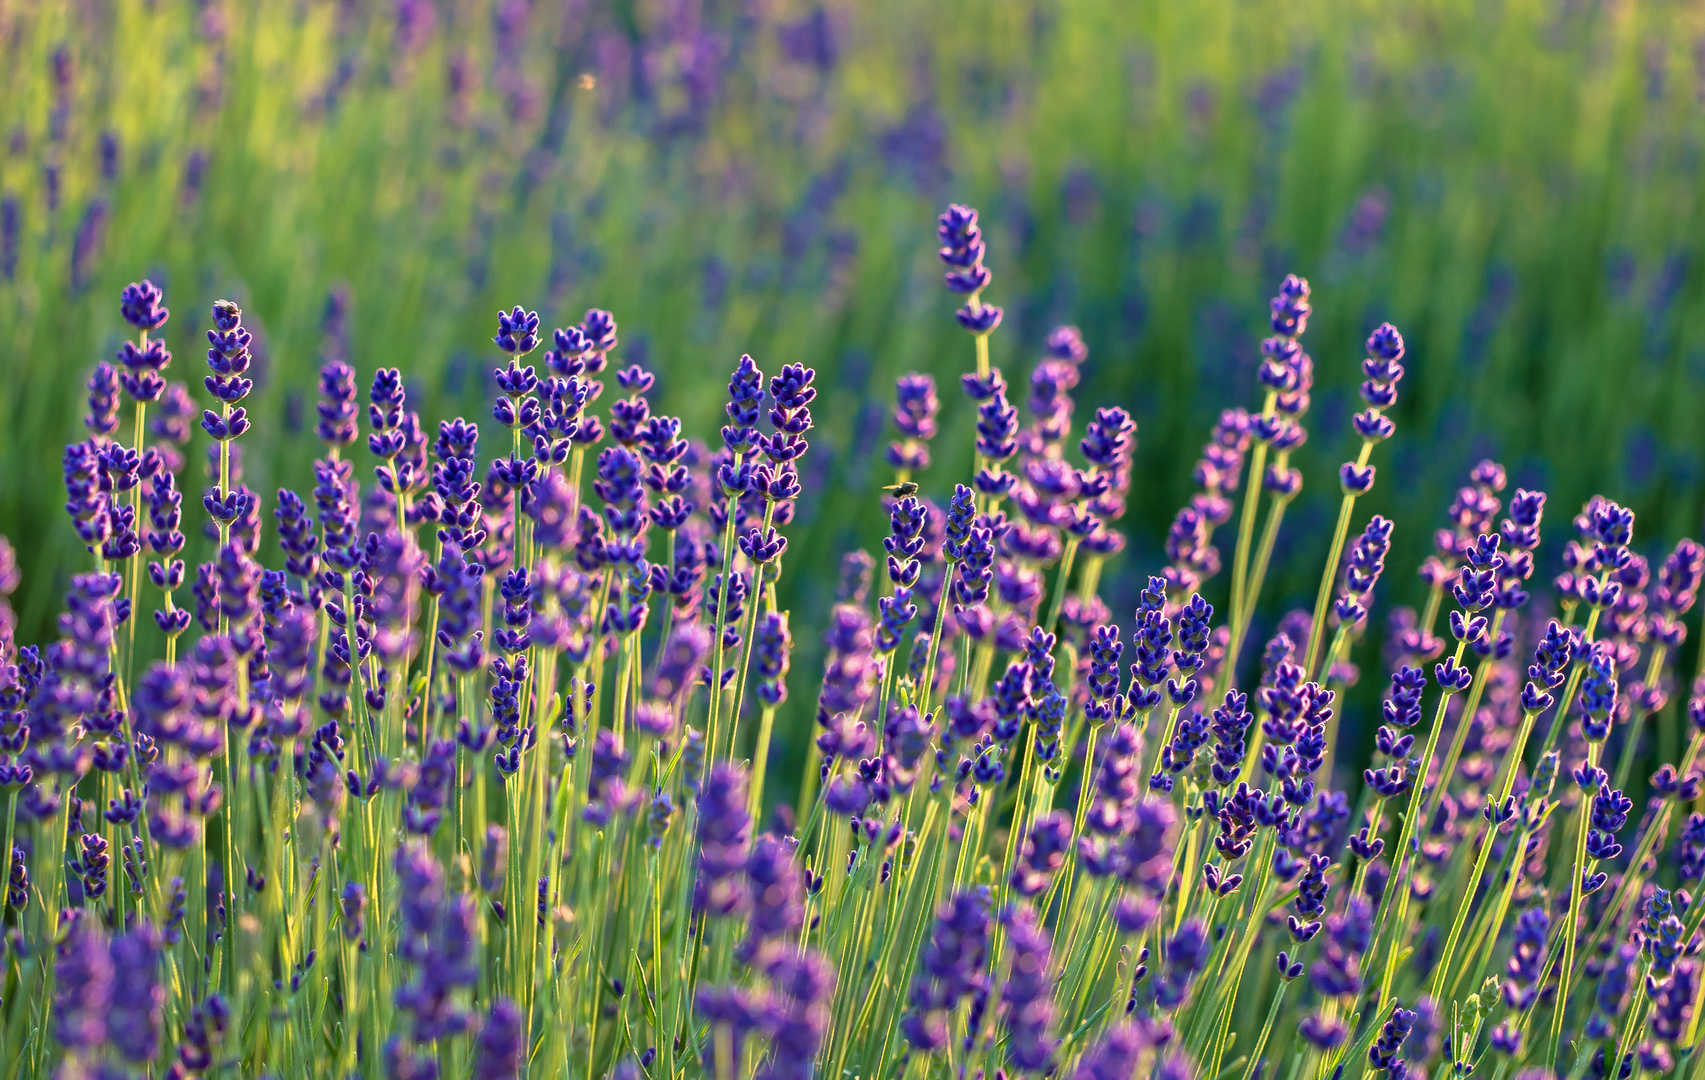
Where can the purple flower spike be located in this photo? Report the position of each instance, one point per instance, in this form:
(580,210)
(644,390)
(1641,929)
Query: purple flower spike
(83,988)
(915,408)
(139,996)
(962,250)
(141,304)
(951,968)
(1066,343)
(517,331)
(725,837)
(102,417)
(501,1046)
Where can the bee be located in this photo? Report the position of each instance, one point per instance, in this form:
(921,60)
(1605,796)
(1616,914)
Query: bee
(903,489)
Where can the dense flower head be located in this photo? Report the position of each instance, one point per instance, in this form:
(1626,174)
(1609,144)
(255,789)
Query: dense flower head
(725,839)
(1290,308)
(140,369)
(962,250)
(142,303)
(517,331)
(1598,691)
(745,406)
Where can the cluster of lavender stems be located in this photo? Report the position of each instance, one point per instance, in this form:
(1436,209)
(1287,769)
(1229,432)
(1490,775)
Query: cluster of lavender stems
(477,782)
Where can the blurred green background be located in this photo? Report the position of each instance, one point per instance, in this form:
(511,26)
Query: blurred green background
(1516,185)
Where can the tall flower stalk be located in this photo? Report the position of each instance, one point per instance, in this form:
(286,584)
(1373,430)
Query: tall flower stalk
(448,777)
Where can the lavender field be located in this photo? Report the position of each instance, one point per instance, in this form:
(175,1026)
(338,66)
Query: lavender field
(552,540)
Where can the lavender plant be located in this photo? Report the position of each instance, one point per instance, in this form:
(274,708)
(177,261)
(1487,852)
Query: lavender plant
(468,785)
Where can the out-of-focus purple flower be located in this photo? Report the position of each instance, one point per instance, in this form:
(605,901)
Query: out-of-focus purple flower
(951,968)
(1527,958)
(86,243)
(337,406)
(83,987)
(915,408)
(850,675)
(1026,998)
(725,836)
(804,983)
(139,996)
(771,649)
(10,228)
(102,417)
(777,895)
(1186,956)
(678,668)
(501,1046)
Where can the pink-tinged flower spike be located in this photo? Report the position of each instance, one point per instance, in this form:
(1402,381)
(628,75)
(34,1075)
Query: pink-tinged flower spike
(172,425)
(1051,406)
(1677,591)
(9,579)
(1043,853)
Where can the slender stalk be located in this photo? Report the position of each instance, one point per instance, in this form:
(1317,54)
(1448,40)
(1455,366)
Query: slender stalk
(1402,853)
(760,762)
(1512,758)
(1573,915)
(733,508)
(1241,599)
(927,688)
(1329,576)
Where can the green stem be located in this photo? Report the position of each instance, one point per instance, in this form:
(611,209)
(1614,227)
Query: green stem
(1329,576)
